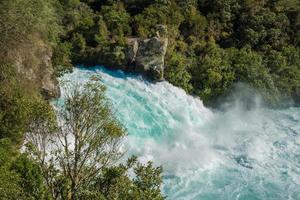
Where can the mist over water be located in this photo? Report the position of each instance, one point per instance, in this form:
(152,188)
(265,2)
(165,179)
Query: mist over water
(236,153)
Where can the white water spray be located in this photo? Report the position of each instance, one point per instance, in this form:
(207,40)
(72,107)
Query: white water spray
(235,154)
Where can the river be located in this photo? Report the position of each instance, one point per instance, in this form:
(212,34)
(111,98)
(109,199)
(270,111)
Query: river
(236,153)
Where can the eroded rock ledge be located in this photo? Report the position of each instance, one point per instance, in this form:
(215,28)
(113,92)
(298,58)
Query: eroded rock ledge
(146,56)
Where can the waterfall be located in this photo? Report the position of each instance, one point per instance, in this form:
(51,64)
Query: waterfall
(206,154)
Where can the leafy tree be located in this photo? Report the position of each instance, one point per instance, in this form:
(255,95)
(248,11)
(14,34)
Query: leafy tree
(9,187)
(30,178)
(114,182)
(212,75)
(194,23)
(19,19)
(117,19)
(248,67)
(177,73)
(61,59)
(262,29)
(86,142)
(20,177)
(285,71)
(145,23)
(221,16)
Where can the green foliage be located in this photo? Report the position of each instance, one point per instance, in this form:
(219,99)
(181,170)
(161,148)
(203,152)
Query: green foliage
(14,104)
(194,23)
(221,16)
(177,72)
(212,43)
(20,19)
(115,183)
(117,19)
(18,104)
(20,177)
(30,177)
(212,75)
(263,29)
(101,36)
(61,59)
(86,148)
(9,187)
(78,47)
(249,68)
(78,17)
(285,69)
(198,33)
(145,23)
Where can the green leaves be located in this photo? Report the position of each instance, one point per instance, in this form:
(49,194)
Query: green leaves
(19,19)
(177,71)
(143,183)
(117,19)
(20,177)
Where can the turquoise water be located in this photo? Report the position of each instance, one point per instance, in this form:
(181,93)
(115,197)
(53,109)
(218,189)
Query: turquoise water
(207,155)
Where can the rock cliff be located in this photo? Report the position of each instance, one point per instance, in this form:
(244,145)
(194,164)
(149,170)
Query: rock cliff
(147,55)
(33,62)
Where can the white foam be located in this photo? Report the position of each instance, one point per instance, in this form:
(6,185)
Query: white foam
(235,154)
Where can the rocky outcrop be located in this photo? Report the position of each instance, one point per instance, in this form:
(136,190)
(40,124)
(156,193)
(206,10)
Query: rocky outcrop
(147,55)
(131,50)
(49,84)
(36,67)
(150,57)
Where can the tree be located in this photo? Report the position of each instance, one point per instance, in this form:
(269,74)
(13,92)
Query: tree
(9,187)
(177,73)
(114,182)
(117,19)
(261,28)
(249,68)
(20,177)
(213,75)
(86,141)
(158,13)
(78,158)
(18,101)
(19,19)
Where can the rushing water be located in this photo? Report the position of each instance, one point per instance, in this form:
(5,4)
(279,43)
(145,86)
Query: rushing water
(207,155)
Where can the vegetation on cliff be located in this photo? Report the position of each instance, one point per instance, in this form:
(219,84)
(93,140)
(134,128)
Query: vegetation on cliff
(212,45)
(32,53)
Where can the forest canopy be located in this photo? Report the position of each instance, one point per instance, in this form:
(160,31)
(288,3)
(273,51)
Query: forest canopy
(213,44)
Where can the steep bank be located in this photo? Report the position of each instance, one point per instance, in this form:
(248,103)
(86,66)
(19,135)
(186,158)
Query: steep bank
(33,61)
(29,30)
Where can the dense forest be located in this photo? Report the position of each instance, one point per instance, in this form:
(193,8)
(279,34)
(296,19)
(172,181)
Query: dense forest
(213,44)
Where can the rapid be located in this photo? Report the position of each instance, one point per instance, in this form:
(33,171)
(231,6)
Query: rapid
(236,153)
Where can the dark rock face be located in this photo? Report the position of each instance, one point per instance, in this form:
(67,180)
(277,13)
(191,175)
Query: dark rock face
(147,56)
(150,57)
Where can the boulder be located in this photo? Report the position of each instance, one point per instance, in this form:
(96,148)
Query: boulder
(150,57)
(147,56)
